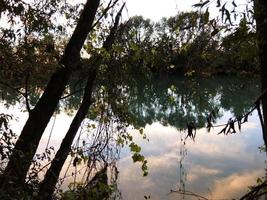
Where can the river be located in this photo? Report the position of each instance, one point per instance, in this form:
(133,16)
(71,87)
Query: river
(213,166)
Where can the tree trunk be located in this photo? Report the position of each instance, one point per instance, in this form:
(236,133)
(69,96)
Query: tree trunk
(260,10)
(47,186)
(25,148)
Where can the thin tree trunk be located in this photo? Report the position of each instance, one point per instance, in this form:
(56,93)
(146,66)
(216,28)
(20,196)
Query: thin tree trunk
(47,186)
(260,10)
(25,148)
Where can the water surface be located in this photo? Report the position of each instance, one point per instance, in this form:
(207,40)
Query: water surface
(214,166)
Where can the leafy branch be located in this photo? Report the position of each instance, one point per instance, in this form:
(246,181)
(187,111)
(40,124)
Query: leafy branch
(229,127)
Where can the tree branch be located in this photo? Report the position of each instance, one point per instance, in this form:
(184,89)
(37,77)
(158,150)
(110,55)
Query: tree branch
(75,92)
(109,6)
(188,193)
(256,192)
(26,93)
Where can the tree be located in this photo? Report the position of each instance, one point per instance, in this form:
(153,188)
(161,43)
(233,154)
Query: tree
(259,14)
(136,42)
(25,148)
(239,49)
(260,10)
(47,186)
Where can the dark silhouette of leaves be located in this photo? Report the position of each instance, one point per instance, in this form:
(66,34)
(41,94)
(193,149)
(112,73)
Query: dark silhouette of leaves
(223,130)
(231,128)
(218,3)
(75,161)
(210,118)
(191,131)
(234,4)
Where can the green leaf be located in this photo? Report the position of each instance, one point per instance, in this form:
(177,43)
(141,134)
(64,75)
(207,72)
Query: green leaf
(144,166)
(130,138)
(138,157)
(259,180)
(145,173)
(206,16)
(135,148)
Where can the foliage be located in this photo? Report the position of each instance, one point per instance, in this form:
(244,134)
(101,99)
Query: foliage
(262,148)
(240,50)
(7,139)
(188,43)
(31,41)
(7,142)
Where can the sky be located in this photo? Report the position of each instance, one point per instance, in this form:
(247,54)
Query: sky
(156,9)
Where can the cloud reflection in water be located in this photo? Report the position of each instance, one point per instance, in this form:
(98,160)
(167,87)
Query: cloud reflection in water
(217,166)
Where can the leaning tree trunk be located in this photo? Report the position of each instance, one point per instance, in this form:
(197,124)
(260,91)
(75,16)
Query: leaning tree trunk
(25,148)
(47,186)
(260,9)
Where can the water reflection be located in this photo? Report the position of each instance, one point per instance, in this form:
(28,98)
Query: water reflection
(215,166)
(177,102)
(220,167)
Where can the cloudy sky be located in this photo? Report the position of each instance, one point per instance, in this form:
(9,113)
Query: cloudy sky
(155,10)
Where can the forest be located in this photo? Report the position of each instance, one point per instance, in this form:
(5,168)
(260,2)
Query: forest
(111,74)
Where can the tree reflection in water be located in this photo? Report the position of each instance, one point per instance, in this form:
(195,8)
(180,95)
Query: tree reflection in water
(172,102)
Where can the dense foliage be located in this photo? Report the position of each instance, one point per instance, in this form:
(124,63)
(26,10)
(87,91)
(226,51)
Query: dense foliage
(189,43)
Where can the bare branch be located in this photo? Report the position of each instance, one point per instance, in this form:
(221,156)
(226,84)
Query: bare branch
(188,193)
(75,92)
(109,6)
(256,192)
(26,93)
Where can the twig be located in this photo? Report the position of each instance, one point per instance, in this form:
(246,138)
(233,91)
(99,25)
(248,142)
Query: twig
(75,92)
(50,134)
(188,193)
(26,93)
(256,192)
(256,106)
(109,6)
